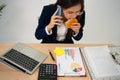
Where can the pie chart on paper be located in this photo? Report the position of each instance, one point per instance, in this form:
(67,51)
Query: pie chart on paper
(75,67)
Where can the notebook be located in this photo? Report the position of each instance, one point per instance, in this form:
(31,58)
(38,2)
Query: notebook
(23,58)
(100,63)
(70,63)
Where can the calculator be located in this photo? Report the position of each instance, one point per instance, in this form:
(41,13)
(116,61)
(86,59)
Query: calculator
(47,72)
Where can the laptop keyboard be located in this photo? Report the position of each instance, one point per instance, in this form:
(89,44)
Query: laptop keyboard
(21,59)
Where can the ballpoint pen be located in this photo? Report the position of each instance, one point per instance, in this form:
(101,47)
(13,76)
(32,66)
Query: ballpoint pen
(51,55)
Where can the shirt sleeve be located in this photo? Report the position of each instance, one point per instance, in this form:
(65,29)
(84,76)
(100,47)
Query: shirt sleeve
(48,33)
(76,34)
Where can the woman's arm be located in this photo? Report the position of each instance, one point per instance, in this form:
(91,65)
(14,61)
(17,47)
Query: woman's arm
(82,23)
(43,22)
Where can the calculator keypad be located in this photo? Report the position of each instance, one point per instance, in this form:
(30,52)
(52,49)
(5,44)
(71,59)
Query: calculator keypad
(48,71)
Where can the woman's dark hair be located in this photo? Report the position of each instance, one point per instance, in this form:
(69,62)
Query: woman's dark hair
(69,3)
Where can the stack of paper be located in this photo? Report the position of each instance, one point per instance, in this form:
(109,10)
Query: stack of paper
(101,64)
(70,63)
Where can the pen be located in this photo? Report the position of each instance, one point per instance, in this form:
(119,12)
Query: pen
(51,55)
(113,57)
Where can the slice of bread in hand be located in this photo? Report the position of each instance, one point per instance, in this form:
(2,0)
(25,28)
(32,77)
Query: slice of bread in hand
(70,21)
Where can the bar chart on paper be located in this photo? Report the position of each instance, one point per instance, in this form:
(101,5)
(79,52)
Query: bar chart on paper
(70,63)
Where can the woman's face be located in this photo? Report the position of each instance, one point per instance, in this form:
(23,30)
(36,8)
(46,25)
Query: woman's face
(72,12)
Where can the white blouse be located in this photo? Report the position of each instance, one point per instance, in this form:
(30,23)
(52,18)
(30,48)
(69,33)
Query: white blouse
(61,32)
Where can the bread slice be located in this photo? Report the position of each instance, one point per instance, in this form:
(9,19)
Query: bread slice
(70,21)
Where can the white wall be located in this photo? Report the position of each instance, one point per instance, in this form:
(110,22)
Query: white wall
(19,20)
(102,22)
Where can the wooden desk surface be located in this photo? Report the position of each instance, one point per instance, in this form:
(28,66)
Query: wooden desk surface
(7,73)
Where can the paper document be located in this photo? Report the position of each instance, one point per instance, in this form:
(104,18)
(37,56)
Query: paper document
(70,63)
(101,64)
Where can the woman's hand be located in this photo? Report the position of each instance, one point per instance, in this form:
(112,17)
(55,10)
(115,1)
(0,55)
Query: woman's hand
(55,20)
(76,27)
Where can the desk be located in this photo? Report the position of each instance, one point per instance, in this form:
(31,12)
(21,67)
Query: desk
(7,73)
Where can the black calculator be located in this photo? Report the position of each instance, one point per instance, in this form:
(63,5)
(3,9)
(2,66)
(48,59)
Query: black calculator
(47,72)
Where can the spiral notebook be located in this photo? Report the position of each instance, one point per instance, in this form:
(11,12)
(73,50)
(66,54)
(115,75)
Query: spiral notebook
(100,63)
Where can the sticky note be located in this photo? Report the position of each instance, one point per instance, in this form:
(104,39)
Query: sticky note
(59,51)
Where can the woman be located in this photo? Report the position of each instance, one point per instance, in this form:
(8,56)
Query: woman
(52,29)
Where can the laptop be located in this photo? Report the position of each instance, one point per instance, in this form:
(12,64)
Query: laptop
(23,58)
